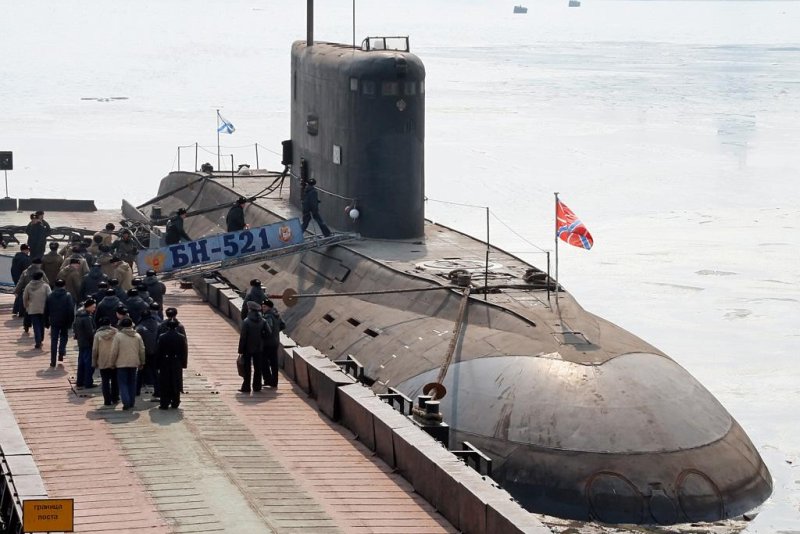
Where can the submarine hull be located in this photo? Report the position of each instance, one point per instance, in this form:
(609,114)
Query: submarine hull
(599,425)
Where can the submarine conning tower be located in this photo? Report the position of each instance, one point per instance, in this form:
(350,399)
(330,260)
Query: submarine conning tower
(358,129)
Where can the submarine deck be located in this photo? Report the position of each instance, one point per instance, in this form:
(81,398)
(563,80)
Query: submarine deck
(581,337)
(225,461)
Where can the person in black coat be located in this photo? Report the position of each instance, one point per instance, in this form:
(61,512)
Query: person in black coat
(155,288)
(273,324)
(251,346)
(136,306)
(91,282)
(113,283)
(20,262)
(310,205)
(172,359)
(175,232)
(59,313)
(100,294)
(108,307)
(148,330)
(172,315)
(235,217)
(84,333)
(254,294)
(37,236)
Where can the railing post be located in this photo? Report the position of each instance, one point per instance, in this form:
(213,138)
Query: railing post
(179,158)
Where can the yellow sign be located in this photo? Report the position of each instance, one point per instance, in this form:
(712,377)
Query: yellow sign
(48,515)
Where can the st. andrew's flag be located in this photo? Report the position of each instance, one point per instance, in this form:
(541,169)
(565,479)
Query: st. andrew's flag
(570,229)
(225,126)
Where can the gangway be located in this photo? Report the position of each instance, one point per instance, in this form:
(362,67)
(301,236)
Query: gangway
(210,267)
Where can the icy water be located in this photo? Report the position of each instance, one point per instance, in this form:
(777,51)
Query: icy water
(670,128)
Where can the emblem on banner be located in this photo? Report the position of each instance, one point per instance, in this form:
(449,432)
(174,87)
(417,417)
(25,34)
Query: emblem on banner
(155,260)
(285,234)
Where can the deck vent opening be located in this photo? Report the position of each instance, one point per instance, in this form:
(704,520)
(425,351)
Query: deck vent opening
(328,317)
(269,269)
(354,322)
(372,333)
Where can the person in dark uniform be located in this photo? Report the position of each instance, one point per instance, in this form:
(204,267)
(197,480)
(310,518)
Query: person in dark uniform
(156,290)
(84,332)
(37,236)
(59,314)
(254,294)
(235,217)
(251,346)
(172,359)
(310,205)
(40,215)
(20,262)
(175,231)
(148,329)
(172,315)
(272,329)
(136,305)
(108,308)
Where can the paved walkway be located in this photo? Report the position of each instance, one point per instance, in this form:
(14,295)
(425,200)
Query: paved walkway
(224,462)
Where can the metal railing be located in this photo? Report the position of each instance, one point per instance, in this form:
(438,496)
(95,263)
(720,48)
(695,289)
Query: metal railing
(10,505)
(474,458)
(352,367)
(404,404)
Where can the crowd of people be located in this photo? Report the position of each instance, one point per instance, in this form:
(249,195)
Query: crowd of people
(119,321)
(122,329)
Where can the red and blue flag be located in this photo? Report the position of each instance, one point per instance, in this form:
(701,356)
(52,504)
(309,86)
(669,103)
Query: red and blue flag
(570,229)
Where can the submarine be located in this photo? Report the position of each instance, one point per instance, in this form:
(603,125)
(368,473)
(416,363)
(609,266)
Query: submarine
(582,419)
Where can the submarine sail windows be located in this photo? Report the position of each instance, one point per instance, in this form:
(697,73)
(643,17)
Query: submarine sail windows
(389,89)
(354,84)
(409,88)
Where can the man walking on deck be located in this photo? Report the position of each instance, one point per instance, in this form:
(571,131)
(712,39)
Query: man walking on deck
(59,314)
(34,299)
(175,232)
(20,262)
(235,217)
(310,205)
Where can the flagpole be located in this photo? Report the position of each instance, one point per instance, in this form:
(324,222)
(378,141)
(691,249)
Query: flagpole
(556,239)
(218,157)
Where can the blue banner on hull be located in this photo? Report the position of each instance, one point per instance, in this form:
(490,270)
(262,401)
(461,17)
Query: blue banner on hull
(221,247)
